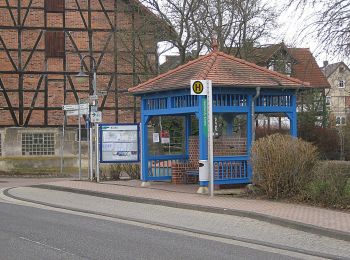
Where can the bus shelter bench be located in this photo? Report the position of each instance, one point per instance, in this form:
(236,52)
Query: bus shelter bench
(191,174)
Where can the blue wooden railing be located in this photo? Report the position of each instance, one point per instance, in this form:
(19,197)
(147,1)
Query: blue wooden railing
(184,101)
(230,100)
(274,101)
(231,170)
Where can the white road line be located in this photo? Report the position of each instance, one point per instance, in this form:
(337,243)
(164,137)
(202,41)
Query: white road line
(46,245)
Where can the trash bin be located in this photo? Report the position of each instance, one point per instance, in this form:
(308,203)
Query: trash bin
(203,170)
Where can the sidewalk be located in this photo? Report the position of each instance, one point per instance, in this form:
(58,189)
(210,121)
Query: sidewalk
(316,220)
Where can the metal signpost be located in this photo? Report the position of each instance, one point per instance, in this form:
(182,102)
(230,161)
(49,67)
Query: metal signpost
(77,110)
(204,88)
(97,154)
(210,137)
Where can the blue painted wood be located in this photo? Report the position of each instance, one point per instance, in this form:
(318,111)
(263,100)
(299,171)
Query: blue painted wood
(273,109)
(167,157)
(171,111)
(230,109)
(231,158)
(159,178)
(144,142)
(187,133)
(294,119)
(249,124)
(233,181)
(230,169)
(249,132)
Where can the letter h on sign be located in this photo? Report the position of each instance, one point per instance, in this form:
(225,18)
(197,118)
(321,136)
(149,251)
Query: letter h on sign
(199,87)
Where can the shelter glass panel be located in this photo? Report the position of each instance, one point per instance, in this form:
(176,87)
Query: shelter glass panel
(230,134)
(166,135)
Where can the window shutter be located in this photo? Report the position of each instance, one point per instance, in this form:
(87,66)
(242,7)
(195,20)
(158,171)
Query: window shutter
(54,44)
(54,6)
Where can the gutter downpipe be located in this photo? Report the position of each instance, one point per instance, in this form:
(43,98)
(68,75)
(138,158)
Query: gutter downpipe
(257,94)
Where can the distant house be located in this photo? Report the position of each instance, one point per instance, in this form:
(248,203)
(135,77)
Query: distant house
(338,96)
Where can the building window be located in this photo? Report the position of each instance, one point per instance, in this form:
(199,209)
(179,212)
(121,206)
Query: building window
(340,120)
(271,65)
(341,83)
(328,100)
(54,44)
(38,144)
(288,68)
(84,134)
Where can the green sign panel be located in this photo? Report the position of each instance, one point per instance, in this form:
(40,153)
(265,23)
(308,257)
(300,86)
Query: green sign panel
(205,116)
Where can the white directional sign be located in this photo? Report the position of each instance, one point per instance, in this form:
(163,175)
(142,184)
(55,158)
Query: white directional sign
(76,112)
(96,117)
(75,107)
(93,97)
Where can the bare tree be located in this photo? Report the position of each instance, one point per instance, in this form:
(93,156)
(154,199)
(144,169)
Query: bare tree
(180,15)
(234,23)
(331,24)
(237,24)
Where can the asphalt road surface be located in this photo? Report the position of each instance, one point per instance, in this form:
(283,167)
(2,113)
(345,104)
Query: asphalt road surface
(34,233)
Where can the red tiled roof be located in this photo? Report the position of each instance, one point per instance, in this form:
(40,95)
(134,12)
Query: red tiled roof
(304,65)
(307,69)
(331,68)
(224,71)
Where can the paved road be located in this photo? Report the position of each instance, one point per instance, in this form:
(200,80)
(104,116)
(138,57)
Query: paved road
(232,226)
(32,233)
(29,231)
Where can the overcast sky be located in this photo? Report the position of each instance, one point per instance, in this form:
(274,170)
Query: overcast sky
(293,30)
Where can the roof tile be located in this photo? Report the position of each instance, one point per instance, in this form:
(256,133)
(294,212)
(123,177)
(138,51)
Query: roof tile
(224,71)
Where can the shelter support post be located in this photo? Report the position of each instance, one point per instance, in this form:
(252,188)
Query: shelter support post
(144,151)
(250,131)
(294,121)
(187,133)
(292,116)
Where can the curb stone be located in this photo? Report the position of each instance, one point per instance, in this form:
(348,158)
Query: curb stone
(340,235)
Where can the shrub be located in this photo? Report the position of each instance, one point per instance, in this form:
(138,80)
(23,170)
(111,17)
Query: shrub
(330,185)
(326,140)
(115,171)
(134,171)
(282,165)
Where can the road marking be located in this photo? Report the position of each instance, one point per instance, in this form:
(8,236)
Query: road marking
(46,245)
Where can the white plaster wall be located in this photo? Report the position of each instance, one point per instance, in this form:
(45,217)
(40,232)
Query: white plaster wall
(338,95)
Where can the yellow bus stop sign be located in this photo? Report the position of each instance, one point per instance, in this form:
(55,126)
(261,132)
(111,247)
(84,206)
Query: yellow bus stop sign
(198,87)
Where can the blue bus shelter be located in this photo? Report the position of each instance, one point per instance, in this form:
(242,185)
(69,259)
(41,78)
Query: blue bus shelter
(239,88)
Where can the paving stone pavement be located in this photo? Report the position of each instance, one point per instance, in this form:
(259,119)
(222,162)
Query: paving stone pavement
(319,217)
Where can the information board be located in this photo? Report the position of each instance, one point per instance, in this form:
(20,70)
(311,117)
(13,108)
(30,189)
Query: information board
(119,143)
